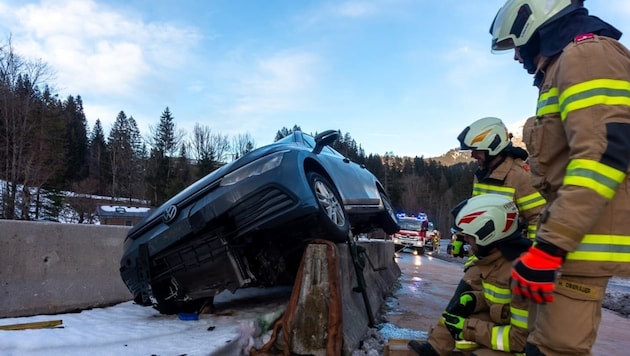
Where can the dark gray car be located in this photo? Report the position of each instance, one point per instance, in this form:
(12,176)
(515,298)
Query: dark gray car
(247,223)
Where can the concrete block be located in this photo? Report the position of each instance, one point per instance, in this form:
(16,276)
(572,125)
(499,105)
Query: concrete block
(51,268)
(309,332)
(380,272)
(379,280)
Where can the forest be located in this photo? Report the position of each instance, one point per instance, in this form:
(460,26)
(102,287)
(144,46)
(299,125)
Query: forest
(51,161)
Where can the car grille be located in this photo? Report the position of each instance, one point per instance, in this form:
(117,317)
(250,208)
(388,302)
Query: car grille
(260,206)
(191,255)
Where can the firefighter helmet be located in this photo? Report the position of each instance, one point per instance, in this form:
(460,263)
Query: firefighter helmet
(487,134)
(518,20)
(488,218)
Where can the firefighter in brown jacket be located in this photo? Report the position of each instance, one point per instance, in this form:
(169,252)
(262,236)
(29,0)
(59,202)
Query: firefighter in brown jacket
(502,168)
(579,142)
(487,321)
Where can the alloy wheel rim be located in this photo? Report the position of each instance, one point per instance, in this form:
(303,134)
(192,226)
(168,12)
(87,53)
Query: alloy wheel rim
(329,202)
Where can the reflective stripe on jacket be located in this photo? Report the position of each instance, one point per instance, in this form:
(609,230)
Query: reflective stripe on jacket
(579,145)
(512,179)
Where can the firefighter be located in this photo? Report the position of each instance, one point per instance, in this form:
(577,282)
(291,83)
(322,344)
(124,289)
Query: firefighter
(487,321)
(436,241)
(502,168)
(579,142)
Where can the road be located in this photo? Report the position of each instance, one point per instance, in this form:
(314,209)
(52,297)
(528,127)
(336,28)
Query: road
(427,284)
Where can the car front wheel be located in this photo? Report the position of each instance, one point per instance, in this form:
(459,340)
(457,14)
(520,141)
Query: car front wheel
(332,215)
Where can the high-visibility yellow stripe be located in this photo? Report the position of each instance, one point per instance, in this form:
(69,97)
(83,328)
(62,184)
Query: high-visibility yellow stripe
(519,317)
(594,92)
(530,201)
(602,248)
(480,188)
(531,231)
(548,103)
(500,338)
(603,179)
(470,261)
(465,345)
(496,294)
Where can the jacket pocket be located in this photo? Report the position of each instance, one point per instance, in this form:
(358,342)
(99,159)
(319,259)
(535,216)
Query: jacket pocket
(547,144)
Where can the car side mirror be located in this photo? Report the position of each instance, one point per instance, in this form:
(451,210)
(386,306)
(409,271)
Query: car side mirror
(324,139)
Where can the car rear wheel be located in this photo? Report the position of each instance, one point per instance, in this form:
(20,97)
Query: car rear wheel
(389,221)
(332,215)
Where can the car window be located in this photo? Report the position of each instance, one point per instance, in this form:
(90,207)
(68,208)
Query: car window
(409,224)
(287,139)
(309,141)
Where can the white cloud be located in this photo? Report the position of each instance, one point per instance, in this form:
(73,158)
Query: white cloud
(95,49)
(277,83)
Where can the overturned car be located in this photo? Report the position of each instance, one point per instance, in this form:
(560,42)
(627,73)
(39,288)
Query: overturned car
(247,223)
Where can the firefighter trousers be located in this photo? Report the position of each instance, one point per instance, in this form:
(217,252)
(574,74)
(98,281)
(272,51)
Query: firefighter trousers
(568,325)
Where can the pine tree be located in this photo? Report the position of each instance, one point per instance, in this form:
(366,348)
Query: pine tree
(97,161)
(126,150)
(161,176)
(76,140)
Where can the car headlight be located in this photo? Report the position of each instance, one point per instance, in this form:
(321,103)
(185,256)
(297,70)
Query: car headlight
(255,168)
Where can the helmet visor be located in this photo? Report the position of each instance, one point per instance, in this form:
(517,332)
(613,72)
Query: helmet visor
(506,31)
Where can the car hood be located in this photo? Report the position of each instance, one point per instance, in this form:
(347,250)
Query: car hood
(212,179)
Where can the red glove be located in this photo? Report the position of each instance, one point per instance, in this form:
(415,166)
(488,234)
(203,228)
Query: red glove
(534,273)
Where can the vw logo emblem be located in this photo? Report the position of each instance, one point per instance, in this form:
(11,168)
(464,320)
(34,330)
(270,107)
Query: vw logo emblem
(169,214)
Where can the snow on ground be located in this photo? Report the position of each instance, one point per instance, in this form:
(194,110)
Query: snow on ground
(130,329)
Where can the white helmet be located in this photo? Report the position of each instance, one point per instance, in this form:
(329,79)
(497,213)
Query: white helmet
(488,134)
(488,218)
(518,20)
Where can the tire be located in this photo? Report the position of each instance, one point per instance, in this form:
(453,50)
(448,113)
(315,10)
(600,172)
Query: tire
(388,220)
(332,216)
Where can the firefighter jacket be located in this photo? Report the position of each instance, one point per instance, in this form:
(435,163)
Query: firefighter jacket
(507,327)
(512,179)
(579,143)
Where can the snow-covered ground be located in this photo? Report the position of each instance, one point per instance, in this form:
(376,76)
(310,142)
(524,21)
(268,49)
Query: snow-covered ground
(130,329)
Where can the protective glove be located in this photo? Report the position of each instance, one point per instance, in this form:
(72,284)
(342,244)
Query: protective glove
(454,324)
(466,305)
(458,247)
(534,273)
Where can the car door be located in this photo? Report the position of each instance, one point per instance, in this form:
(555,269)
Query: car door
(355,183)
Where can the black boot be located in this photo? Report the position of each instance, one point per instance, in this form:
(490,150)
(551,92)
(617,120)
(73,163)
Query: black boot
(532,350)
(423,349)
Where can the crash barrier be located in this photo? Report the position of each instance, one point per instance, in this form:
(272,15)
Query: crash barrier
(338,290)
(52,268)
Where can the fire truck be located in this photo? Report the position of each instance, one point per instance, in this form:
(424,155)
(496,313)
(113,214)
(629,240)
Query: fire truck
(416,233)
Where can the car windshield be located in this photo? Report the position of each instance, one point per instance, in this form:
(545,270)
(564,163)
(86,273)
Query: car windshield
(410,224)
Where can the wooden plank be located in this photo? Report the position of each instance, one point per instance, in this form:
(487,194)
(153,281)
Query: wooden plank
(34,325)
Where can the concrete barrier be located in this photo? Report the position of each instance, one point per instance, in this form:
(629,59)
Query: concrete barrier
(379,284)
(52,268)
(313,320)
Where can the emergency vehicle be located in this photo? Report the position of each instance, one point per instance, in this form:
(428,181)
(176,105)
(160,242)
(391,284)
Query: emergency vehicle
(416,233)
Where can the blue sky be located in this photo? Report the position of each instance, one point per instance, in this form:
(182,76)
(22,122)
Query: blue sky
(401,76)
